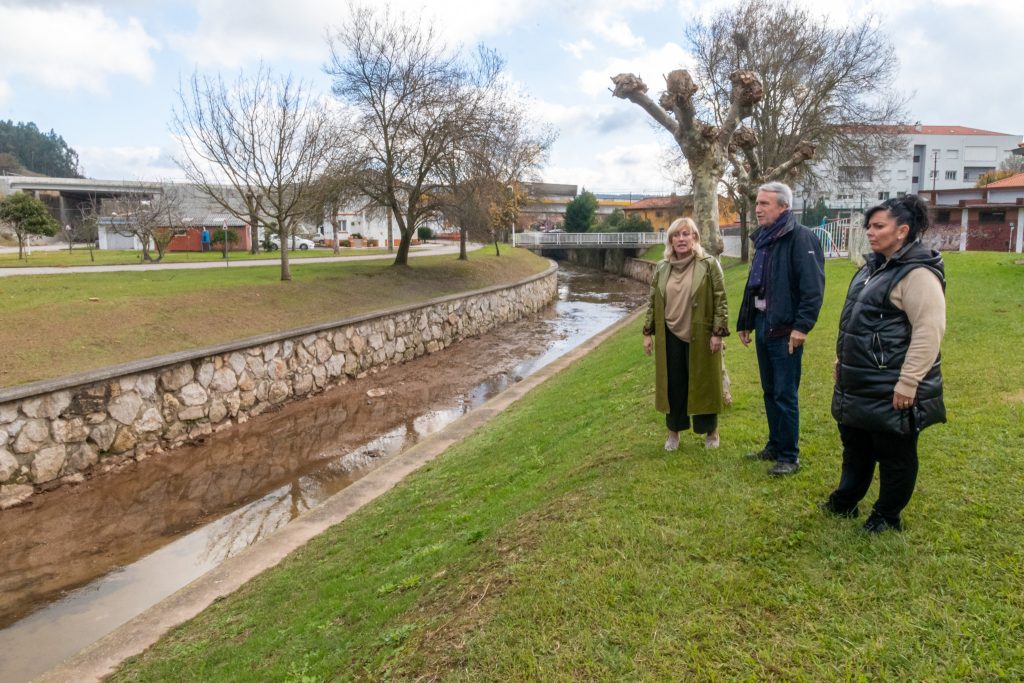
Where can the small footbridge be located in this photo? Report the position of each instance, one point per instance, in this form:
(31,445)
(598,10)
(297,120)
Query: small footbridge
(588,240)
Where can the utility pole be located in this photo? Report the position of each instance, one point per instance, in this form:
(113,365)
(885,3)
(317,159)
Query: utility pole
(935,172)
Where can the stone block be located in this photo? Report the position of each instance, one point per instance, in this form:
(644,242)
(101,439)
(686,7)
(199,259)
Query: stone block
(8,412)
(47,463)
(279,391)
(246,382)
(125,407)
(8,465)
(103,435)
(48,406)
(33,434)
(81,458)
(145,386)
(151,421)
(218,411)
(323,350)
(237,362)
(177,377)
(303,384)
(193,394)
(14,494)
(192,413)
(271,351)
(124,441)
(204,375)
(224,380)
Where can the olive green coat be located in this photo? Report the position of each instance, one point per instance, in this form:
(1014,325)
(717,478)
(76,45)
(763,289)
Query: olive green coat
(710,315)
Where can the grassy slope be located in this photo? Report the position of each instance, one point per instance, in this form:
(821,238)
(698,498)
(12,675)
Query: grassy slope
(80,256)
(562,543)
(50,327)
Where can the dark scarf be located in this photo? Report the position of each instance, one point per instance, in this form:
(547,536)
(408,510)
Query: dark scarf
(765,237)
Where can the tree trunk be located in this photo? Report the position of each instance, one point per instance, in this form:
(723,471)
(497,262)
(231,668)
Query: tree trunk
(463,256)
(286,271)
(744,230)
(21,245)
(254,232)
(391,234)
(334,230)
(402,255)
(705,207)
(497,252)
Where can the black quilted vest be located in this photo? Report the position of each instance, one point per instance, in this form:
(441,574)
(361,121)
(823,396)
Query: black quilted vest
(873,340)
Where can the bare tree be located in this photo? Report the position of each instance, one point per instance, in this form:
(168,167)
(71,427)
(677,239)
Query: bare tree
(827,92)
(151,217)
(254,146)
(335,190)
(706,146)
(485,174)
(411,100)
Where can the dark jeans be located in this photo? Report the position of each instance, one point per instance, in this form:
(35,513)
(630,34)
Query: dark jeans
(677,354)
(896,455)
(780,382)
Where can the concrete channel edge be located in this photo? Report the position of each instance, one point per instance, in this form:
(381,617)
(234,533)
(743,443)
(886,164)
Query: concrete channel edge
(102,658)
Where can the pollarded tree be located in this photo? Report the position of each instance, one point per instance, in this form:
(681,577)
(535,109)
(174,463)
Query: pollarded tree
(705,146)
(827,91)
(411,102)
(27,216)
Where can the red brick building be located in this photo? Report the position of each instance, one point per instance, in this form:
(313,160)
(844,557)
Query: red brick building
(984,218)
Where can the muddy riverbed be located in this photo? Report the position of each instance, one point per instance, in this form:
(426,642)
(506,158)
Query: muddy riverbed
(80,561)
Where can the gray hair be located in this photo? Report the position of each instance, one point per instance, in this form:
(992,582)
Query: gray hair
(783,193)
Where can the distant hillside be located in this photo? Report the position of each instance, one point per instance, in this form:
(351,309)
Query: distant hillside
(24,149)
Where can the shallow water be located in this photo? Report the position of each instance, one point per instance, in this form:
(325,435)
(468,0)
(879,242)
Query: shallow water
(80,561)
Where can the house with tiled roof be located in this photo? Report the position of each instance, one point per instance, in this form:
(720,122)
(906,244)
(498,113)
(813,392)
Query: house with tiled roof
(935,157)
(661,211)
(986,218)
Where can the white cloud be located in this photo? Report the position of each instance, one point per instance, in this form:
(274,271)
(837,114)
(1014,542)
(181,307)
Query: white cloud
(578,48)
(614,29)
(650,65)
(625,168)
(72,47)
(5,93)
(230,35)
(148,162)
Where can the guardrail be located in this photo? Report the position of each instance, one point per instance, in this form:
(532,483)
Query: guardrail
(835,237)
(597,240)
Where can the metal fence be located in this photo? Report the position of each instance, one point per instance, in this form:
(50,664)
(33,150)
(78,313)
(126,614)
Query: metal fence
(595,240)
(835,237)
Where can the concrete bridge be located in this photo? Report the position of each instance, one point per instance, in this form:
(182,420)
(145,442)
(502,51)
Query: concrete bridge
(538,241)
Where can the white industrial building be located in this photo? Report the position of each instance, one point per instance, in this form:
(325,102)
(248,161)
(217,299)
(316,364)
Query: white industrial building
(935,158)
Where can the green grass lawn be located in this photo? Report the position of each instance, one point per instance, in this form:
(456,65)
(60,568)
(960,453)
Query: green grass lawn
(80,256)
(562,543)
(53,325)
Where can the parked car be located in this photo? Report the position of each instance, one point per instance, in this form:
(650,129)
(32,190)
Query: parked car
(293,242)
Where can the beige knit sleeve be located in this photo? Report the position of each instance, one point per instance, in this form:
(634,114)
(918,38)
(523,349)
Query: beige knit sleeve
(920,296)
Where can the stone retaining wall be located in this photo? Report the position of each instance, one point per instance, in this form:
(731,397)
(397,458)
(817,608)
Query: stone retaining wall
(54,431)
(640,270)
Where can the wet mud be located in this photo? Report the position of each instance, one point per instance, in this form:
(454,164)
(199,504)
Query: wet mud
(79,561)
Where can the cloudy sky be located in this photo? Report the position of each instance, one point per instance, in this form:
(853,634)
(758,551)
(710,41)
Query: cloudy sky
(104,74)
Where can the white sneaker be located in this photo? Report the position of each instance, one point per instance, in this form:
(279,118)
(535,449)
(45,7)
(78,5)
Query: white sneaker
(672,442)
(712,440)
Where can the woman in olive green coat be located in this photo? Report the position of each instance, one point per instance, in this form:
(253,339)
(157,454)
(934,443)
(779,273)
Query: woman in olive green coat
(687,317)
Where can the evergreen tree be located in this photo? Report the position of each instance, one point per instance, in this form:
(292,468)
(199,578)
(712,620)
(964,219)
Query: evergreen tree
(37,152)
(581,212)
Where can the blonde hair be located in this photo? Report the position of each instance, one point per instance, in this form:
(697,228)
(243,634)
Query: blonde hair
(677,225)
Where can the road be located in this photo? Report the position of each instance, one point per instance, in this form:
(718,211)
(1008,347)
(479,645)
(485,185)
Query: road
(432,249)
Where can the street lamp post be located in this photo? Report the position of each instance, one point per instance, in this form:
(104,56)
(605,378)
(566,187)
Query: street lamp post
(512,195)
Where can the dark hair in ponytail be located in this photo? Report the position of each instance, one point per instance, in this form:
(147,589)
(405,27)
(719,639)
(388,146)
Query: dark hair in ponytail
(908,210)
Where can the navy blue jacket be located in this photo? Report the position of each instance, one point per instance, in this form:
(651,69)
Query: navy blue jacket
(794,283)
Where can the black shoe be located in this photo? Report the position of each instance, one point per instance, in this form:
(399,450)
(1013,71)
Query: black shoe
(781,469)
(763,454)
(876,524)
(827,507)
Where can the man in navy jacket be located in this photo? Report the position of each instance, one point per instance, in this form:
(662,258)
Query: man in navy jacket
(781,301)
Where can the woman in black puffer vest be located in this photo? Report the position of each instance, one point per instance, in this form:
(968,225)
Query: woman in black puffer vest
(888,381)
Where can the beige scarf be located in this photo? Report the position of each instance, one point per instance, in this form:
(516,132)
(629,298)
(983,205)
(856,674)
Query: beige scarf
(679,295)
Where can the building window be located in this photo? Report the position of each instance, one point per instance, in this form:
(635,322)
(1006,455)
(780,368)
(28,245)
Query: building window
(657,214)
(914,181)
(854,174)
(972,173)
(952,154)
(950,175)
(883,195)
(992,216)
(933,173)
(917,158)
(901,194)
(942,216)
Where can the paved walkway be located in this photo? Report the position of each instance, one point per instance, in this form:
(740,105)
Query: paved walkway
(432,249)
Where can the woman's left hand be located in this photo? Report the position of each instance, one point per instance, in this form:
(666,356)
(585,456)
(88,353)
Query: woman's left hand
(716,344)
(901,402)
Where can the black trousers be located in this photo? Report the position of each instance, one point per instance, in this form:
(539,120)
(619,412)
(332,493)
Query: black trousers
(896,455)
(677,354)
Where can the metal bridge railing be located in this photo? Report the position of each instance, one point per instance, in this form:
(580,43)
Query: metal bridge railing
(587,239)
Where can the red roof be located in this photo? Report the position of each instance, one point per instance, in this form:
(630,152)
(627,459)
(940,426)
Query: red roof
(1013,181)
(951,130)
(660,202)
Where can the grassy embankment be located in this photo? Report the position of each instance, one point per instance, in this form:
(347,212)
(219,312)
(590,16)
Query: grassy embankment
(562,543)
(80,256)
(52,325)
